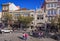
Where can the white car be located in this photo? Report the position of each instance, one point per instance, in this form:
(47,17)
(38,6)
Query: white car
(6,30)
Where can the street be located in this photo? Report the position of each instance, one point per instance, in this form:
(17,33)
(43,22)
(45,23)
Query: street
(17,37)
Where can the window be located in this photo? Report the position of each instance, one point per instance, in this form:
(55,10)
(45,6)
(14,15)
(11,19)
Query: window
(51,12)
(49,19)
(48,5)
(51,5)
(55,11)
(31,27)
(32,22)
(17,15)
(59,11)
(26,14)
(54,5)
(48,12)
(40,17)
(32,15)
(5,7)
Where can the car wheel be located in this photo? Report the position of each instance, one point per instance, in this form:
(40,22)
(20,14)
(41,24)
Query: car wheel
(2,32)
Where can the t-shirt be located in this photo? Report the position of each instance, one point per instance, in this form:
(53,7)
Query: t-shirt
(25,35)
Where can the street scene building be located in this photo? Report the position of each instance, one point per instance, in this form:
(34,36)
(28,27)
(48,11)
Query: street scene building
(41,16)
(39,24)
(16,11)
(52,9)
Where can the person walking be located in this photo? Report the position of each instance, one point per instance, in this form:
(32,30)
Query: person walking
(25,36)
(39,35)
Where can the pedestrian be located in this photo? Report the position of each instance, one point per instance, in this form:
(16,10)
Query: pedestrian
(39,35)
(25,36)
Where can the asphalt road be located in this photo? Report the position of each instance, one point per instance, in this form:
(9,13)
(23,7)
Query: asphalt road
(18,37)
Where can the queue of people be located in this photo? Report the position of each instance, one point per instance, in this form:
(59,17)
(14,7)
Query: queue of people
(39,34)
(25,35)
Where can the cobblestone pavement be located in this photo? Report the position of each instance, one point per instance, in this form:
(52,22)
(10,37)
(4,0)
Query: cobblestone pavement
(15,37)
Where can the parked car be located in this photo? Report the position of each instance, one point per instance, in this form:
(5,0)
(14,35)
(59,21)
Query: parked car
(6,30)
(0,32)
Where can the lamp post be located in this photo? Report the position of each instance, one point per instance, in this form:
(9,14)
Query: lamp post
(45,26)
(46,32)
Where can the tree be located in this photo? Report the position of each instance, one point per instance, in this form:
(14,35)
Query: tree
(25,20)
(59,23)
(8,18)
(54,24)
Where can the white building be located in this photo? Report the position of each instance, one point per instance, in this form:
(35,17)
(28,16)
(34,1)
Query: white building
(6,7)
(51,7)
(40,18)
(10,6)
(15,14)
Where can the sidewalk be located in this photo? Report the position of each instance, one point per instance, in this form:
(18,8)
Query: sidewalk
(37,39)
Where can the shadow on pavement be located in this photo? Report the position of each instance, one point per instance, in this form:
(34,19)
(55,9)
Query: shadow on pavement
(34,36)
(55,37)
(20,37)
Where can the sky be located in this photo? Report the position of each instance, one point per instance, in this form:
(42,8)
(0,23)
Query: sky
(29,4)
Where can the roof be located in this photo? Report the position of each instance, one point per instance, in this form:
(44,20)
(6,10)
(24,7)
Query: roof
(21,9)
(6,3)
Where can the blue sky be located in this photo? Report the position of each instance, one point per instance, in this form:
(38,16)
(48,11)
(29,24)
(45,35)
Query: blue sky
(29,4)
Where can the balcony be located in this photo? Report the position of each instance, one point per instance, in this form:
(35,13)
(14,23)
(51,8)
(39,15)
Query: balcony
(40,21)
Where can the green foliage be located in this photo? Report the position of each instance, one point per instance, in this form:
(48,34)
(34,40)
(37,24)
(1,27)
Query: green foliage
(8,16)
(53,22)
(7,19)
(59,21)
(25,20)
(56,21)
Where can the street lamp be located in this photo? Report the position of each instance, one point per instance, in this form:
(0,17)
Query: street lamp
(45,25)
(46,32)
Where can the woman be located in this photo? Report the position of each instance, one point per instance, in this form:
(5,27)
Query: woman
(25,36)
